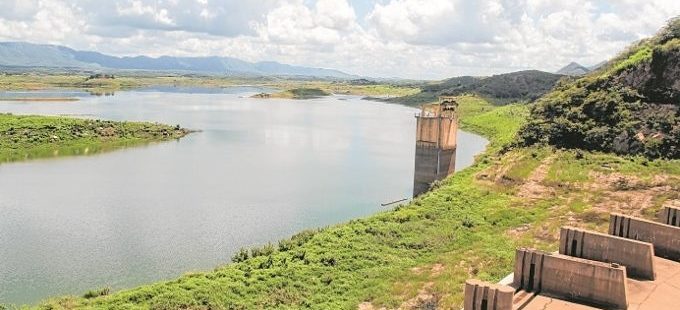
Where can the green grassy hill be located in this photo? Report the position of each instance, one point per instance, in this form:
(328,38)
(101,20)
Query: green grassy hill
(629,106)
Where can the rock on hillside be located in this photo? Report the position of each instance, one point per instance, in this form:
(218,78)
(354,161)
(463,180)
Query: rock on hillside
(658,79)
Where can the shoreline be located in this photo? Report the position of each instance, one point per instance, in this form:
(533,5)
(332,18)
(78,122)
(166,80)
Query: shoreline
(125,82)
(40,99)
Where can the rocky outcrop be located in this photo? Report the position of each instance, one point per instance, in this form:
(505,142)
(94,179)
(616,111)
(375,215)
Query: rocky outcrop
(658,79)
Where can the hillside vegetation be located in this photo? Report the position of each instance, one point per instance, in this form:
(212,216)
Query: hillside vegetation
(499,89)
(29,137)
(629,106)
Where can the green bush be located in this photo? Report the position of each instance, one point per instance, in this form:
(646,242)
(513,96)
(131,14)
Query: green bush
(96,293)
(240,256)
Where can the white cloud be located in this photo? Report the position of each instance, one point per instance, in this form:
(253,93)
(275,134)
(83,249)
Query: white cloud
(18,10)
(138,9)
(335,14)
(407,38)
(51,21)
(437,22)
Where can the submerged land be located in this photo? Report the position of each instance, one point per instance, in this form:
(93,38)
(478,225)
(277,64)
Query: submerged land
(567,154)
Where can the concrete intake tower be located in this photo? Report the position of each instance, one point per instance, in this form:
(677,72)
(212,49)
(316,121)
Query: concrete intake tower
(436,129)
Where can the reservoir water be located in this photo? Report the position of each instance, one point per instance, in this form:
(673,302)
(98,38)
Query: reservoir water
(259,171)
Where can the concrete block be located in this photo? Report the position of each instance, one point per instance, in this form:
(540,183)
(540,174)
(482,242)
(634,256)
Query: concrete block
(571,278)
(486,296)
(665,238)
(670,216)
(637,256)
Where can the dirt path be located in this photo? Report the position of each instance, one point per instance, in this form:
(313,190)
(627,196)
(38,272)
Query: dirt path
(532,188)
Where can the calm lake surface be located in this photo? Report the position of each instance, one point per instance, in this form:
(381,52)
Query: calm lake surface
(260,171)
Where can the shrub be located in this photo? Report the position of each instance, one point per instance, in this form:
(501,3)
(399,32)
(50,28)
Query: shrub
(240,256)
(468,222)
(286,245)
(328,261)
(266,250)
(96,293)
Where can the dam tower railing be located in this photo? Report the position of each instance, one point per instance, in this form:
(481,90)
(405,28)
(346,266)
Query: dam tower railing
(436,129)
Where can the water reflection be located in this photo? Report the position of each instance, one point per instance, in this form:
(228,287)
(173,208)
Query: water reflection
(100,93)
(66,151)
(60,93)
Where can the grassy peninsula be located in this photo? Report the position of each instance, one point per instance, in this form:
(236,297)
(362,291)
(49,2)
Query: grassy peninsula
(29,137)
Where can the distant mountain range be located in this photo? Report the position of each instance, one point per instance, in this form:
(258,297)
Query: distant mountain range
(576,69)
(22,54)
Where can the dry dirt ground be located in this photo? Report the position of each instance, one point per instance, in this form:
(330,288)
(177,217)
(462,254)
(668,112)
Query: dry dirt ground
(533,187)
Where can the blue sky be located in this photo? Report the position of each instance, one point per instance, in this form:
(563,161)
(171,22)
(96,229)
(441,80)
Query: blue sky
(421,39)
(362,7)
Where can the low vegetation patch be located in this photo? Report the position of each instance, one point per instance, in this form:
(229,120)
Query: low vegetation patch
(296,93)
(477,115)
(96,293)
(307,93)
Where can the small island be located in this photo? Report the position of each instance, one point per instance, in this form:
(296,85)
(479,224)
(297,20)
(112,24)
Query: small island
(30,137)
(295,93)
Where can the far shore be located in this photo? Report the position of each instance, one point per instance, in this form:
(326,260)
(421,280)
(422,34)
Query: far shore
(40,99)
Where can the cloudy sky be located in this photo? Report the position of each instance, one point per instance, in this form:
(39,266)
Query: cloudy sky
(423,39)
